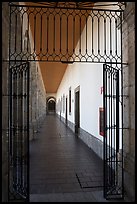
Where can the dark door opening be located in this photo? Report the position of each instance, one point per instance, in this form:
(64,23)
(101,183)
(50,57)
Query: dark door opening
(77,110)
(66,110)
(51,106)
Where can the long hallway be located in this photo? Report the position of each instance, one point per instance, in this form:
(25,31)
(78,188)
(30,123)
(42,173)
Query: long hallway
(62,167)
(61,163)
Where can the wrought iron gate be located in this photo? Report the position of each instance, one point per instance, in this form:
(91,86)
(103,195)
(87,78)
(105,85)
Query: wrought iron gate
(100,44)
(56,31)
(113,137)
(19,132)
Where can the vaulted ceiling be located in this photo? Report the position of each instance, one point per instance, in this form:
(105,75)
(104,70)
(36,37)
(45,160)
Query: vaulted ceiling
(52,72)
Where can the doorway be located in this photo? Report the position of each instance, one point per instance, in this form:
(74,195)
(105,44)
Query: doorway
(51,105)
(50,52)
(66,110)
(77,110)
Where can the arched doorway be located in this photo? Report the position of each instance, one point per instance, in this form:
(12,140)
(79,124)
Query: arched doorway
(51,105)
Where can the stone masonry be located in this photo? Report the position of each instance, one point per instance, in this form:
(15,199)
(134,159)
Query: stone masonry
(128,47)
(5,41)
(37,99)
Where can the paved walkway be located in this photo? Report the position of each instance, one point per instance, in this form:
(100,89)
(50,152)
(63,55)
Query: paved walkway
(62,167)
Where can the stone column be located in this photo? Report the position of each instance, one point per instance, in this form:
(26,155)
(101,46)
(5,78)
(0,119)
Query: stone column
(128,47)
(5,66)
(37,100)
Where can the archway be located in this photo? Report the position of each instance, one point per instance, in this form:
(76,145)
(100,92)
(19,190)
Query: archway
(51,105)
(77,20)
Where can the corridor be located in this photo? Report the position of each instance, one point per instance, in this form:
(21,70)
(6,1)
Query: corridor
(74,59)
(63,166)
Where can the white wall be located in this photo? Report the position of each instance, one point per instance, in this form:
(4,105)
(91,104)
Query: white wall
(89,78)
(91,98)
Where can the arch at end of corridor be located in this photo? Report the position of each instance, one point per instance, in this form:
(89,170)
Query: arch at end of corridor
(51,105)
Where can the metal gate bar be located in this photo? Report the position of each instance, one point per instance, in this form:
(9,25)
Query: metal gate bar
(53,46)
(113,137)
(19,132)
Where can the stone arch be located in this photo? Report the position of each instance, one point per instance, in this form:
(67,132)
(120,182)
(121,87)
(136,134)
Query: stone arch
(51,104)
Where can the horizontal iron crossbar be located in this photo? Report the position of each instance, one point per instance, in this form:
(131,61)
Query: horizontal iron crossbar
(74,5)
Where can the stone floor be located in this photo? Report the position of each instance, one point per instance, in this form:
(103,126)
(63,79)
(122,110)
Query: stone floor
(62,167)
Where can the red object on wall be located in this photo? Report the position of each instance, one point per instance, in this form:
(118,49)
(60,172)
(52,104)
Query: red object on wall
(101,121)
(101,89)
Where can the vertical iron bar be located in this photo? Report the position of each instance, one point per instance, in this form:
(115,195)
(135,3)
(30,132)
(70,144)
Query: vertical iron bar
(9,108)
(117,112)
(117,124)
(15,31)
(60,34)
(114,99)
(15,173)
(21,31)
(92,36)
(10,148)
(47,31)
(104,36)
(106,131)
(17,129)
(25,159)
(86,35)
(80,37)
(104,108)
(73,34)
(111,127)
(105,128)
(28,36)
(28,69)
(10,118)
(67,34)
(54,36)
(14,136)
(21,128)
(41,35)
(110,38)
(116,36)
(109,122)
(25,132)
(34,32)
(19,133)
(98,37)
(122,107)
